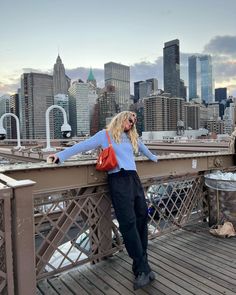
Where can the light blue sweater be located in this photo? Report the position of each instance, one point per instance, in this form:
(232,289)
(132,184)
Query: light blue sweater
(124,150)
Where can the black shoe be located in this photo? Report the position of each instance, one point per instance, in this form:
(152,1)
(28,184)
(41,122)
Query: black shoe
(152,276)
(143,279)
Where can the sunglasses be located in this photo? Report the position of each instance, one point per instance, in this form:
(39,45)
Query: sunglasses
(131,122)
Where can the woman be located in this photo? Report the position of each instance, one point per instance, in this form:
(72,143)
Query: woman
(125,188)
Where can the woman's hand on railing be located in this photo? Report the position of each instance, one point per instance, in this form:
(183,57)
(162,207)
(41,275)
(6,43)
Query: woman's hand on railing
(53,159)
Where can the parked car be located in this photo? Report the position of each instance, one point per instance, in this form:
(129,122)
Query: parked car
(166,199)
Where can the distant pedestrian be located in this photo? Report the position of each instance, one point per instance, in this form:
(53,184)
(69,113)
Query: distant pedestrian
(125,188)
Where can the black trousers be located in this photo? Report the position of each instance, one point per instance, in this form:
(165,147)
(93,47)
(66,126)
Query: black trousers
(131,212)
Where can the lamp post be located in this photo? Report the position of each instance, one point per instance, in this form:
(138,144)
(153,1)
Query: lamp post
(65,128)
(3,130)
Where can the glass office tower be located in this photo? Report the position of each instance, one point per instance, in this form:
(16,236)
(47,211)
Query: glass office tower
(118,75)
(172,68)
(200,78)
(206,79)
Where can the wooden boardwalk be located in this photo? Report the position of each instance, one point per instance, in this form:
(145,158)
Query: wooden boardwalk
(185,262)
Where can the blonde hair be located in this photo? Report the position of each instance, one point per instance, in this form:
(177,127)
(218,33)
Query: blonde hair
(116,128)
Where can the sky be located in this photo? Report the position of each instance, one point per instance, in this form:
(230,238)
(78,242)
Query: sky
(131,32)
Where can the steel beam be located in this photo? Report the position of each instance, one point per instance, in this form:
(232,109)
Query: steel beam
(52,177)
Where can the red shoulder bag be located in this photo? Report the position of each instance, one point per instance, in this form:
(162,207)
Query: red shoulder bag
(107,158)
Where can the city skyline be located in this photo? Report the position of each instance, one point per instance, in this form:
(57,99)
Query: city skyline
(92,34)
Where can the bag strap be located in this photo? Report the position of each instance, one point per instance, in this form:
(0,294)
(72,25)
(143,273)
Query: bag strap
(109,141)
(108,137)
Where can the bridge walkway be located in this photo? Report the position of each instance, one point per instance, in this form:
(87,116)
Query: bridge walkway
(186,261)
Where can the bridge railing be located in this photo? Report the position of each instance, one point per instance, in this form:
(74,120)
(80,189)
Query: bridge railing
(6,262)
(75,226)
(61,216)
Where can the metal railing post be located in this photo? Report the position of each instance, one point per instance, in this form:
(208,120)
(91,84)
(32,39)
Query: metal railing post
(101,226)
(23,236)
(6,269)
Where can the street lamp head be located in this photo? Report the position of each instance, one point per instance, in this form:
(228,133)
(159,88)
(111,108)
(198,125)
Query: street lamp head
(2,133)
(66,130)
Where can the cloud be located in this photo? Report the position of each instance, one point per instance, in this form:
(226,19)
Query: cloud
(146,70)
(138,71)
(8,88)
(11,83)
(223,51)
(224,70)
(221,45)
(232,89)
(221,48)
(82,73)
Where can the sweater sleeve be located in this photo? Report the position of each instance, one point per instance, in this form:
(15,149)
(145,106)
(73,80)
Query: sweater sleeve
(89,144)
(144,150)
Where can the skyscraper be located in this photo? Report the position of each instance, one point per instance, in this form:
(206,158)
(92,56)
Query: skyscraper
(79,108)
(92,99)
(200,78)
(220,94)
(107,105)
(91,78)
(5,108)
(221,98)
(154,82)
(61,82)
(15,109)
(61,100)
(172,68)
(36,96)
(118,75)
(157,110)
(183,90)
(206,78)
(145,88)
(194,77)
(136,91)
(192,115)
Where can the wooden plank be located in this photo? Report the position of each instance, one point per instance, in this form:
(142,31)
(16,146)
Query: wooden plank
(177,284)
(85,283)
(159,287)
(214,259)
(119,277)
(128,282)
(157,283)
(229,242)
(166,281)
(209,240)
(205,252)
(72,285)
(178,257)
(186,274)
(212,241)
(179,279)
(203,249)
(122,261)
(100,284)
(114,264)
(196,274)
(202,264)
(184,262)
(203,230)
(206,238)
(38,292)
(58,285)
(111,281)
(45,288)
